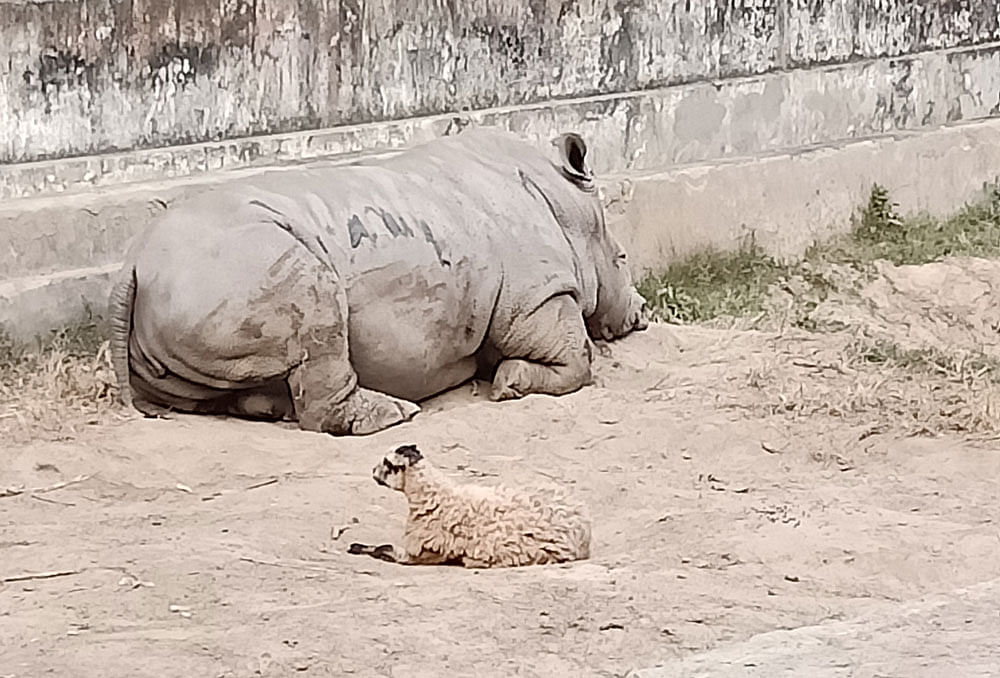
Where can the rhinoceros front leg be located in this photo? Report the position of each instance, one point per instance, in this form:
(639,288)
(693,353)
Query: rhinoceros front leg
(546,351)
(324,386)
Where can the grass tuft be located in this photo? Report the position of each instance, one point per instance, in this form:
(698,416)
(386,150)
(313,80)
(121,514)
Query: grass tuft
(880,221)
(973,231)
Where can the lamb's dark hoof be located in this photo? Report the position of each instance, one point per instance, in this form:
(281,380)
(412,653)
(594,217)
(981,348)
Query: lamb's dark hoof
(150,410)
(383,552)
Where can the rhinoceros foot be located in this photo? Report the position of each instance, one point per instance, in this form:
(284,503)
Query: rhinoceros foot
(366,411)
(546,351)
(512,380)
(518,378)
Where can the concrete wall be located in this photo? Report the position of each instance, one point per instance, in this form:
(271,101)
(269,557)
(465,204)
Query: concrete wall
(110,109)
(82,77)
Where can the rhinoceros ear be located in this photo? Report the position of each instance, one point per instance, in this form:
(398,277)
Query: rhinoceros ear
(573,156)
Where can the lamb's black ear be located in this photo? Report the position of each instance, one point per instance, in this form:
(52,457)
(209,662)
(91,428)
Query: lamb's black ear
(573,157)
(410,453)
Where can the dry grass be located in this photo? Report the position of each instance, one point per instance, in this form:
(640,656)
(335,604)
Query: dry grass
(862,381)
(52,389)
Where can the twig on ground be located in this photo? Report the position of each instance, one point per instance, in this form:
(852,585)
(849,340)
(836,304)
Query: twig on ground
(51,501)
(291,566)
(263,483)
(770,449)
(61,485)
(35,491)
(659,383)
(548,475)
(39,575)
(594,441)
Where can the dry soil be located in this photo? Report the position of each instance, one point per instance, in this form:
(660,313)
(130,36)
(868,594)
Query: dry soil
(744,484)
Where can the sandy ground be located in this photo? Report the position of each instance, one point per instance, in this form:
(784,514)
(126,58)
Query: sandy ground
(725,520)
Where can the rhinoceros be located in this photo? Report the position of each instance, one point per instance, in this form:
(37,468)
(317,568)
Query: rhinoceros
(338,297)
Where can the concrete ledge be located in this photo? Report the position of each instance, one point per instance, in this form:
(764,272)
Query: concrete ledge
(48,234)
(631,131)
(788,200)
(30,307)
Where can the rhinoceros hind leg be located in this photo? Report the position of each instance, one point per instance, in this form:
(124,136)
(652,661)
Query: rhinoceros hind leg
(365,412)
(324,386)
(351,410)
(546,351)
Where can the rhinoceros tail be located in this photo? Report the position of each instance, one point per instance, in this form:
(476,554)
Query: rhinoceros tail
(120,311)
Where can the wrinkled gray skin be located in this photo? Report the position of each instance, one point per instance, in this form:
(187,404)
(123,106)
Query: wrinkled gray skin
(337,297)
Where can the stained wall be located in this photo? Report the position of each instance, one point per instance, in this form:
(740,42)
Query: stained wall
(81,77)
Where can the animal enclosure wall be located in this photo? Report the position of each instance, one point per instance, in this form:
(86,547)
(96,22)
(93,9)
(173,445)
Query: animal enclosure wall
(91,76)
(119,95)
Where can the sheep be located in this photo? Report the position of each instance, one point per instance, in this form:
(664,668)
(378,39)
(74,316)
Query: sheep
(475,526)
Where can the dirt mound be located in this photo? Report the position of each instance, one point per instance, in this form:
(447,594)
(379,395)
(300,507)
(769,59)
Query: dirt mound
(909,347)
(947,307)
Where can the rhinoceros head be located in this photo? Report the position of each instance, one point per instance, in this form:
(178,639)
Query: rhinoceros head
(618,308)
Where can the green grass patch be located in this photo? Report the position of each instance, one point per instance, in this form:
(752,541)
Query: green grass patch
(881,233)
(713,283)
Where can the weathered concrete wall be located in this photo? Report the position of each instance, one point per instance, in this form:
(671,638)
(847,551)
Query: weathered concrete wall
(787,199)
(91,76)
(94,75)
(706,118)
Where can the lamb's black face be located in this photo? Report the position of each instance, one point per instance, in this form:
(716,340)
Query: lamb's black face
(410,453)
(391,471)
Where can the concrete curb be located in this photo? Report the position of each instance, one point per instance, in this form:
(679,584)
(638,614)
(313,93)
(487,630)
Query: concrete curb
(33,306)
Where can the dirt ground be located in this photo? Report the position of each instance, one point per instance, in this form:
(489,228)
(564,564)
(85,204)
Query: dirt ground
(743,483)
